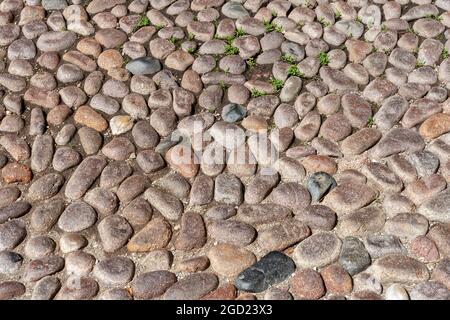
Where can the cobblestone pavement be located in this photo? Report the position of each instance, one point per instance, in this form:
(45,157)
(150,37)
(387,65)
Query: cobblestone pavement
(211,149)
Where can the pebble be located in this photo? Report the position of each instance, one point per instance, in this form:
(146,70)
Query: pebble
(78,288)
(399,268)
(192,287)
(230,260)
(152,284)
(274,267)
(318,184)
(11,262)
(39,268)
(46,288)
(318,250)
(307,284)
(155,235)
(114,271)
(11,289)
(114,232)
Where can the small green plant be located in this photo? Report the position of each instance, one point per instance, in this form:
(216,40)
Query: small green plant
(434,17)
(276,84)
(420,63)
(293,71)
(191,50)
(337,14)
(383,27)
(158,27)
(323,59)
(191,36)
(142,22)
(270,26)
(230,50)
(444,53)
(126,60)
(256,93)
(239,32)
(251,62)
(287,58)
(324,22)
(222,84)
(274,14)
(370,122)
(173,39)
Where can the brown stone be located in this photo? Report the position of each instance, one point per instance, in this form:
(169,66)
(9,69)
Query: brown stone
(337,280)
(90,118)
(317,163)
(225,292)
(307,284)
(435,126)
(16,172)
(155,235)
(183,160)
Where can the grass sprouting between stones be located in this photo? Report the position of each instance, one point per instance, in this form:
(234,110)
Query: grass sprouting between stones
(158,27)
(251,63)
(256,93)
(239,32)
(142,22)
(444,53)
(287,58)
(293,71)
(323,59)
(370,122)
(420,63)
(230,50)
(276,84)
(270,26)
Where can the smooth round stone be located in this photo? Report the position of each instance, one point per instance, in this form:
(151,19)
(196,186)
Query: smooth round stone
(307,284)
(77,217)
(396,292)
(11,289)
(317,217)
(273,268)
(114,232)
(233,232)
(46,288)
(192,233)
(233,112)
(354,256)
(10,262)
(399,268)
(318,250)
(39,268)
(115,294)
(291,195)
(193,286)
(318,184)
(114,271)
(70,242)
(282,235)
(14,210)
(143,66)
(78,288)
(234,10)
(12,234)
(152,284)
(56,40)
(79,263)
(39,247)
(430,290)
(229,260)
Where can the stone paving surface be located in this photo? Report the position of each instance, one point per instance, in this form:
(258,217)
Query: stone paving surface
(123,126)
